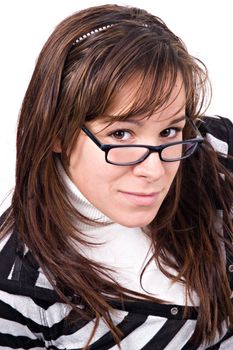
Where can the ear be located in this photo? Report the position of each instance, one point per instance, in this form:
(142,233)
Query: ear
(57,146)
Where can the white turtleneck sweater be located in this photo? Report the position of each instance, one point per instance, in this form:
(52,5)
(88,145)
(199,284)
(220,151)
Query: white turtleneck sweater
(124,250)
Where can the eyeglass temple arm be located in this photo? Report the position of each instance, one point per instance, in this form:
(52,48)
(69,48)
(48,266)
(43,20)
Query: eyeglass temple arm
(199,135)
(92,137)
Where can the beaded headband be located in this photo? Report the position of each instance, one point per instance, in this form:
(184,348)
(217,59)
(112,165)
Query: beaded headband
(92,32)
(97,30)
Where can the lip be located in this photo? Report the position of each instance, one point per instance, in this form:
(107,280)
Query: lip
(139,198)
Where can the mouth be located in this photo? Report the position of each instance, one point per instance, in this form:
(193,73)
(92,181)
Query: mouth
(144,199)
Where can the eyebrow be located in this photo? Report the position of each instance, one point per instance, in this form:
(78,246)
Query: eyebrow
(179,119)
(138,122)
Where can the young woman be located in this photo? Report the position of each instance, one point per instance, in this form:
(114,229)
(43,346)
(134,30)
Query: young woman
(119,235)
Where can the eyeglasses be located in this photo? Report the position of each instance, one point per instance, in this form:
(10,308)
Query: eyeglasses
(133,154)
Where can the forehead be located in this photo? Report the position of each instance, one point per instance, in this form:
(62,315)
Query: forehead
(127,98)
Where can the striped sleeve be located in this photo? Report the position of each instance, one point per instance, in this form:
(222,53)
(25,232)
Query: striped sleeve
(21,323)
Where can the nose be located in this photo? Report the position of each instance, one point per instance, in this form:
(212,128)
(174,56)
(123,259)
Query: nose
(151,168)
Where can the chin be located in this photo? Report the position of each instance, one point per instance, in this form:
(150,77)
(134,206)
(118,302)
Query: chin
(133,222)
(132,225)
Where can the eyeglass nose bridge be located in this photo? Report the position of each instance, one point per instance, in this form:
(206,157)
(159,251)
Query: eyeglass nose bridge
(150,150)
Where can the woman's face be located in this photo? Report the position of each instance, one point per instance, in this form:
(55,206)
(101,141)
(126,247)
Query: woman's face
(129,195)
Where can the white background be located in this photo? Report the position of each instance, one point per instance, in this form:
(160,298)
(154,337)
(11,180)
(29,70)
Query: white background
(206,26)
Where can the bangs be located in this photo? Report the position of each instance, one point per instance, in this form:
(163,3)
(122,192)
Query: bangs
(146,94)
(150,68)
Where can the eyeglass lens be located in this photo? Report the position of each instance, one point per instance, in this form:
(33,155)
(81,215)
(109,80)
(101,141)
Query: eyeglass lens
(129,154)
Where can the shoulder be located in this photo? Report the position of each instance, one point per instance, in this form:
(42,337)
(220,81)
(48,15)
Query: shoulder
(218,131)
(219,127)
(20,273)
(217,123)
(29,307)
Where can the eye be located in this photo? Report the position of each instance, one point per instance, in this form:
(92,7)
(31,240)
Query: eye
(121,134)
(171,132)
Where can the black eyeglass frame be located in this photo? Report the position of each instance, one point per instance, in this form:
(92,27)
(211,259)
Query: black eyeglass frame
(151,149)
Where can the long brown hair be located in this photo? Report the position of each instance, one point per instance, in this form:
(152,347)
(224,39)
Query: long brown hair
(77,81)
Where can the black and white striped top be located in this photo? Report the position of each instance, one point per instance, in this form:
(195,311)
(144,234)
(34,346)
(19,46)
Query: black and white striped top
(32,317)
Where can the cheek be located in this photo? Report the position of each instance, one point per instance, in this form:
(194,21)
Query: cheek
(90,172)
(82,161)
(171,170)
(84,156)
